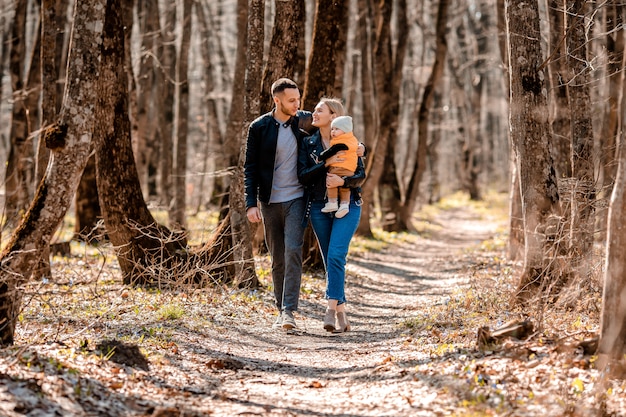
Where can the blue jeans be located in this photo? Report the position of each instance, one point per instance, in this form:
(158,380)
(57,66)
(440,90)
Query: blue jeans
(334,236)
(284,235)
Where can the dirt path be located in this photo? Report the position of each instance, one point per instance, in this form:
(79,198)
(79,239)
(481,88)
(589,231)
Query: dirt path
(260,371)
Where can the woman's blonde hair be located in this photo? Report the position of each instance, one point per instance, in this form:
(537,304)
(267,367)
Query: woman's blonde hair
(334,105)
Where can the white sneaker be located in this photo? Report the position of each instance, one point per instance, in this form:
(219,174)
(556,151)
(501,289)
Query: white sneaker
(343,210)
(288,320)
(330,207)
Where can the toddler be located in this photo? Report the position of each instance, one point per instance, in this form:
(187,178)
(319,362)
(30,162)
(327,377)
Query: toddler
(341,137)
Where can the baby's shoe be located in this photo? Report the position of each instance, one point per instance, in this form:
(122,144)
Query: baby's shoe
(330,207)
(343,210)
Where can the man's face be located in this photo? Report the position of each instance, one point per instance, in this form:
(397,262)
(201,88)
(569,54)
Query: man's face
(288,102)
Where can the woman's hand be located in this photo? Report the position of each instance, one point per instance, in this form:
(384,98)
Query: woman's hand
(360,150)
(334,180)
(336,159)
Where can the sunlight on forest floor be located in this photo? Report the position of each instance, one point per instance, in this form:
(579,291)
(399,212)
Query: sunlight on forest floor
(84,302)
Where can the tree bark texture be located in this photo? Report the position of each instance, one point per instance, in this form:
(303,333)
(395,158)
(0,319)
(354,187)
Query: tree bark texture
(583,193)
(370,114)
(177,212)
(612,342)
(213,131)
(559,109)
(424,111)
(283,47)
(382,60)
(324,74)
(69,140)
(87,206)
(245,274)
(612,125)
(148,254)
(529,134)
(19,169)
(146,146)
(167,77)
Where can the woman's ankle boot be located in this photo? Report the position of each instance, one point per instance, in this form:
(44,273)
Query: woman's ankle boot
(342,322)
(329,320)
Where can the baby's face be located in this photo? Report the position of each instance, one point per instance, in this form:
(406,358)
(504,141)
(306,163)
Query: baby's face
(335,131)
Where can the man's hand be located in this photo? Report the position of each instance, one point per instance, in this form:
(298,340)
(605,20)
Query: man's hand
(254,214)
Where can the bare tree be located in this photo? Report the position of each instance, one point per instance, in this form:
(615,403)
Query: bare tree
(324,73)
(245,273)
(145,250)
(583,191)
(167,77)
(423,115)
(148,110)
(613,122)
(364,34)
(69,140)
(19,169)
(612,343)
(177,209)
(284,47)
(529,133)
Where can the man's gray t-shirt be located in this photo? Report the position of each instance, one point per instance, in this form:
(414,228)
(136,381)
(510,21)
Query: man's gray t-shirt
(285,186)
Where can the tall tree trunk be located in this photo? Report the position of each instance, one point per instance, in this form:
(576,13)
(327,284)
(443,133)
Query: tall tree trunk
(529,133)
(18,181)
(146,147)
(389,184)
(382,58)
(245,274)
(167,89)
(69,141)
(370,112)
(612,125)
(328,52)
(284,47)
(177,212)
(213,131)
(423,115)
(612,344)
(515,247)
(231,147)
(560,117)
(146,251)
(49,75)
(583,191)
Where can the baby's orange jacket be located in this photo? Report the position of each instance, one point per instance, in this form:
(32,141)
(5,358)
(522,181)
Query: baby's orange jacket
(350,156)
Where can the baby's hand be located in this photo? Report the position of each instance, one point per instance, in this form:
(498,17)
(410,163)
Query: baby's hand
(336,159)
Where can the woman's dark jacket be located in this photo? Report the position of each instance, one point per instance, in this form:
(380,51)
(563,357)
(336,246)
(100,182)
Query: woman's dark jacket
(312,171)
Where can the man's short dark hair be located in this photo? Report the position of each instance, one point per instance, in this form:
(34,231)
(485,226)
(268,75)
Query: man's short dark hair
(282,84)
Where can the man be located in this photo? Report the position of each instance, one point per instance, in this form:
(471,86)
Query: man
(271,180)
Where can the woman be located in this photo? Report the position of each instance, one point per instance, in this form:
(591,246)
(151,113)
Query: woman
(333,234)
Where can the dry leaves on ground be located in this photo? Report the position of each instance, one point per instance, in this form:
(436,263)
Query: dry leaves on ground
(88,346)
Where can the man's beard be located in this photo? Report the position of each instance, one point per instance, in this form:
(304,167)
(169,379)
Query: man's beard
(284,110)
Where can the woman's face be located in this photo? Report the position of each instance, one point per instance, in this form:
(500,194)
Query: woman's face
(322,115)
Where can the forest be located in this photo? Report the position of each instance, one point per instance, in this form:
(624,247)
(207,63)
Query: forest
(123,130)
